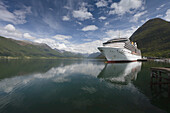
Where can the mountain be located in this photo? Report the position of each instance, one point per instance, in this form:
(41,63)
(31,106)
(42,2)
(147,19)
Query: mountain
(16,48)
(69,54)
(96,55)
(153,38)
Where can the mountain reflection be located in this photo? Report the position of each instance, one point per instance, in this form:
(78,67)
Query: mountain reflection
(58,72)
(61,71)
(120,73)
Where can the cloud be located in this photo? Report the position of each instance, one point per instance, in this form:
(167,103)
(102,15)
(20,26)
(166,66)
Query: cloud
(167,16)
(126,33)
(65,18)
(67,7)
(137,16)
(62,38)
(9,27)
(89,47)
(79,23)
(10,31)
(125,6)
(106,23)
(145,20)
(87,39)
(52,43)
(15,17)
(159,16)
(82,13)
(28,36)
(102,18)
(51,22)
(60,42)
(90,28)
(51,9)
(101,3)
(160,7)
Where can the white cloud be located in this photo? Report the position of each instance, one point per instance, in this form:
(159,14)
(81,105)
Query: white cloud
(79,23)
(9,31)
(87,39)
(90,28)
(125,6)
(67,7)
(9,27)
(51,22)
(52,43)
(102,18)
(82,13)
(62,37)
(15,17)
(126,33)
(107,23)
(101,3)
(88,47)
(160,7)
(61,42)
(65,18)
(145,20)
(50,9)
(137,16)
(159,16)
(28,36)
(167,16)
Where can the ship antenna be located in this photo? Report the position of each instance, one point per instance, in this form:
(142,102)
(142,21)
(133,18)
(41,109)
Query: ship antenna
(119,33)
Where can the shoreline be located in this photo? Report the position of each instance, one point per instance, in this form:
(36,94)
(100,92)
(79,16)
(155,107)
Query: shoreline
(167,60)
(28,57)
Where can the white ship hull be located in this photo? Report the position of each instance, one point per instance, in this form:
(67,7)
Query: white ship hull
(118,54)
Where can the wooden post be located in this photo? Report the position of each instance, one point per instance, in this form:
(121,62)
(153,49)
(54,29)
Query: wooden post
(160,79)
(151,79)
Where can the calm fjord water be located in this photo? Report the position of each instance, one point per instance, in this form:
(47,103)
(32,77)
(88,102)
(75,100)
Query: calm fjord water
(79,86)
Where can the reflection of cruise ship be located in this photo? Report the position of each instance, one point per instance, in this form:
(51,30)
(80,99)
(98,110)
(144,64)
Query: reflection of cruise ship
(121,73)
(120,49)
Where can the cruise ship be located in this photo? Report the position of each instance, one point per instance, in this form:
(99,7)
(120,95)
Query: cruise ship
(120,50)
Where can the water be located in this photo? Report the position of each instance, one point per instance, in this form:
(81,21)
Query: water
(79,86)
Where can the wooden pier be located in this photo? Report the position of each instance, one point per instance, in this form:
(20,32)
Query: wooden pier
(160,76)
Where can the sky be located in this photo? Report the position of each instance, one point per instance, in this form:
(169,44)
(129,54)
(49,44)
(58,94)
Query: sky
(77,25)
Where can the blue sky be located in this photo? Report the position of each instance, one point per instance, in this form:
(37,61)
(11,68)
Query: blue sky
(77,25)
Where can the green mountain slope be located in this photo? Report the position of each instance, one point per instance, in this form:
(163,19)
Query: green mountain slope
(15,48)
(153,38)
